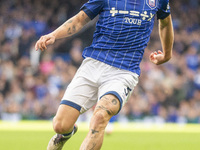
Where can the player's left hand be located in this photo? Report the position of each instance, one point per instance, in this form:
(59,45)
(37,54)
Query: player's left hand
(157,57)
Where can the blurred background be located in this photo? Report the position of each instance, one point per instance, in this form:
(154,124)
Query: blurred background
(32,83)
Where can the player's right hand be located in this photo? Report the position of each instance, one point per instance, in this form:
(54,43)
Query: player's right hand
(44,41)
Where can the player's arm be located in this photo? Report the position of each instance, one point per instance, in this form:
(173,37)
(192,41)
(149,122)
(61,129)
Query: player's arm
(166,34)
(69,28)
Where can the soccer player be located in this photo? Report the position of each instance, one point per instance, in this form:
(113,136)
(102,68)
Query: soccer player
(110,69)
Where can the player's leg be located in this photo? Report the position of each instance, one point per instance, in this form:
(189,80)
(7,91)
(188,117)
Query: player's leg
(110,127)
(80,95)
(116,87)
(107,106)
(64,126)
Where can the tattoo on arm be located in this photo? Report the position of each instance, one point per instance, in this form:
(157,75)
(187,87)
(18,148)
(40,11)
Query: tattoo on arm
(74,24)
(69,31)
(68,22)
(74,28)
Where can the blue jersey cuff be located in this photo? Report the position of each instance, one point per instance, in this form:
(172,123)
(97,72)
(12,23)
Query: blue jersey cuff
(88,12)
(163,16)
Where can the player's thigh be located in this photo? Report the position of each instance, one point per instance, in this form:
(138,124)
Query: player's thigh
(119,83)
(81,93)
(108,104)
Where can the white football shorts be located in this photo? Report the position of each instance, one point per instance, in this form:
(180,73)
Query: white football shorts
(95,79)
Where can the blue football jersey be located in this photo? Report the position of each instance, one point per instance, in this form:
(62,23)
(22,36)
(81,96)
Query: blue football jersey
(123,30)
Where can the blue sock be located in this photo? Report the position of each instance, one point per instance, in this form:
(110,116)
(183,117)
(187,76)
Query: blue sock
(67,135)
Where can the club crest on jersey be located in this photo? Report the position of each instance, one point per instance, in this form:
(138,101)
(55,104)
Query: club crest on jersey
(151,3)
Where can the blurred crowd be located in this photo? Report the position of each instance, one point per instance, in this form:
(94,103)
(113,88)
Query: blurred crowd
(32,83)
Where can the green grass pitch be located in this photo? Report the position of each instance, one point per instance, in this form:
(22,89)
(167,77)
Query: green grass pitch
(35,136)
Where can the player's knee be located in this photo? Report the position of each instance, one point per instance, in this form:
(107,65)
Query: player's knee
(100,120)
(60,127)
(57,126)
